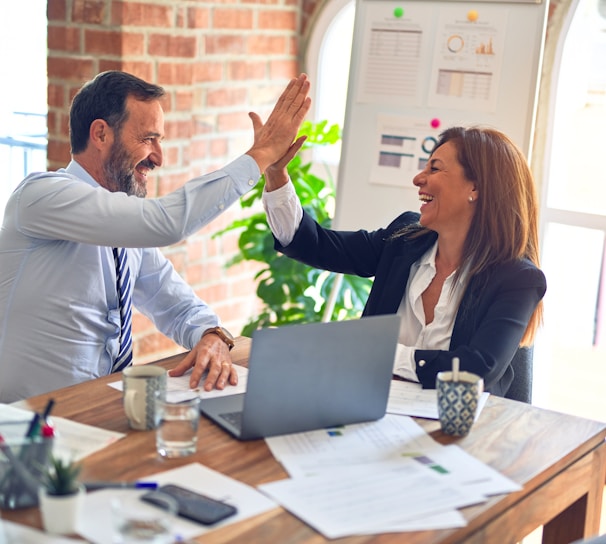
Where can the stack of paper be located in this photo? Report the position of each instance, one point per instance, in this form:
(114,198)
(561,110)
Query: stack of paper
(378,477)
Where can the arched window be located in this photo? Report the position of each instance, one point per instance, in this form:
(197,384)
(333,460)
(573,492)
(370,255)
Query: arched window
(574,212)
(327,59)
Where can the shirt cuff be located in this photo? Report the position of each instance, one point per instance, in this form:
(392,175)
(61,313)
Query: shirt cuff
(284,212)
(244,172)
(404,364)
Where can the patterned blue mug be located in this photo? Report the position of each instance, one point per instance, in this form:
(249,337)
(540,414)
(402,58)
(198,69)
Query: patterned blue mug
(458,401)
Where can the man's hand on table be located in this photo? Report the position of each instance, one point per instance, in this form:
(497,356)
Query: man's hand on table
(210,353)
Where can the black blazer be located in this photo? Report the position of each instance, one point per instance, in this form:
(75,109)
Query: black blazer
(492,316)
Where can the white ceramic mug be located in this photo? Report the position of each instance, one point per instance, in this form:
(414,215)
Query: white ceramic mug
(140,384)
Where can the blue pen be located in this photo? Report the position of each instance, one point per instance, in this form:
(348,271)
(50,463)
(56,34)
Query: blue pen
(91,486)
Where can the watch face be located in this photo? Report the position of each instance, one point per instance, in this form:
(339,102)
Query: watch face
(227,334)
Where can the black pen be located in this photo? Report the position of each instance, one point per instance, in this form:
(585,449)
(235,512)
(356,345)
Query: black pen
(47,409)
(91,486)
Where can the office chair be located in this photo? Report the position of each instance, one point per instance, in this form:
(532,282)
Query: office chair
(521,387)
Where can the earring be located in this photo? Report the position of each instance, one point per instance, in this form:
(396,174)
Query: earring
(470,198)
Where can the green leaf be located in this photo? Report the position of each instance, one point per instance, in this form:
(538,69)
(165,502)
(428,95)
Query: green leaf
(61,477)
(292,292)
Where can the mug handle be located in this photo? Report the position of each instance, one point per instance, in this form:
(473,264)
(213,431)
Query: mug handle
(129,406)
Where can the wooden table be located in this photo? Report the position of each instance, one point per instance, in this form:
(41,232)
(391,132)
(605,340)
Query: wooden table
(560,461)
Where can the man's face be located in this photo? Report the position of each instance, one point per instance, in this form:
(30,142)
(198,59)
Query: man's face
(136,149)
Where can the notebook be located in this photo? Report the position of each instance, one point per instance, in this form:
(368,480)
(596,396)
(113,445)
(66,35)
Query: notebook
(311,376)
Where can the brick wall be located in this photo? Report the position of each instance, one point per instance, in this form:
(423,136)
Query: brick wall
(217,61)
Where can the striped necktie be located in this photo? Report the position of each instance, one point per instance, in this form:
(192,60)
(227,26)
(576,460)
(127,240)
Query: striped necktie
(125,356)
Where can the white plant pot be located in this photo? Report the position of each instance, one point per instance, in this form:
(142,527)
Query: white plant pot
(60,513)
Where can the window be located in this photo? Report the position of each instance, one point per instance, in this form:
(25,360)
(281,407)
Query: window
(327,60)
(23,103)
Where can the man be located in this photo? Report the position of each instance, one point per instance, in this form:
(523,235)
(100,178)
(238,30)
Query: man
(65,285)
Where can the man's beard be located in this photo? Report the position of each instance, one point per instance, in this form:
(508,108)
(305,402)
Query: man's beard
(120,175)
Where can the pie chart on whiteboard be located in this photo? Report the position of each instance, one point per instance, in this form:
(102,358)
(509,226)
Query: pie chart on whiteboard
(455,43)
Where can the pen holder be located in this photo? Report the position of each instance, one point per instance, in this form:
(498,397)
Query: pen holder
(23,462)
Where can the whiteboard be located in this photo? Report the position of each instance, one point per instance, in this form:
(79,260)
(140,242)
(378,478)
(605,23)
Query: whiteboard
(417,67)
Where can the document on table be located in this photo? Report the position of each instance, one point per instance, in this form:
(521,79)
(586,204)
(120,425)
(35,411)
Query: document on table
(305,454)
(410,399)
(95,523)
(383,443)
(395,447)
(14,533)
(369,499)
(459,468)
(177,388)
(73,440)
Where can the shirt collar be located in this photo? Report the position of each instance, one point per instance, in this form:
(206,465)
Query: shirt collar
(429,257)
(75,169)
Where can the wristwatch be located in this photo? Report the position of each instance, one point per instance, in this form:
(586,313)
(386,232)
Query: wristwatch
(223,334)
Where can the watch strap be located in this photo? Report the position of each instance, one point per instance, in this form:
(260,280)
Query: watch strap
(223,334)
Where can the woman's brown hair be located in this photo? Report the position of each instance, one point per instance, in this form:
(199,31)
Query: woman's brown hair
(505,224)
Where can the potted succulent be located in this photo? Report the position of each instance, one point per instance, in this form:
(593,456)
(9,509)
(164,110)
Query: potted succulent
(60,496)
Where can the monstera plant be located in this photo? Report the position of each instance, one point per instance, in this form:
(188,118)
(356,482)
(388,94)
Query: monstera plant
(292,292)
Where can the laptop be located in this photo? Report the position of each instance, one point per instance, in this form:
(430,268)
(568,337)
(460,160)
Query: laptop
(311,376)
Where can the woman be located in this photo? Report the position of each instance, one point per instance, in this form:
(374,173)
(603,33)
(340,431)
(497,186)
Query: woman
(463,273)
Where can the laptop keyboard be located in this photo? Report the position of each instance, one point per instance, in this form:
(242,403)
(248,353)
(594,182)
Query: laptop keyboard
(234,418)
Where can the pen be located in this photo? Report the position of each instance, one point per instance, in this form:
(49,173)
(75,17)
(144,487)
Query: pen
(33,426)
(91,486)
(47,409)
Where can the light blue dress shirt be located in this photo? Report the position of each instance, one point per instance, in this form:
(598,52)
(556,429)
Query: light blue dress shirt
(59,315)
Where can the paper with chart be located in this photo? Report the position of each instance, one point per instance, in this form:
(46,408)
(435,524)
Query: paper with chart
(403,479)
(391,68)
(468,58)
(403,145)
(368,499)
(390,440)
(312,452)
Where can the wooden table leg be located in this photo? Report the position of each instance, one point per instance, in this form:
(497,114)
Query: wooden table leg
(582,518)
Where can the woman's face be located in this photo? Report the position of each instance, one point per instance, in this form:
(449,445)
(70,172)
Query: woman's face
(445,192)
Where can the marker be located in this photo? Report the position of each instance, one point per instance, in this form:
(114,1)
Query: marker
(47,409)
(92,486)
(34,426)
